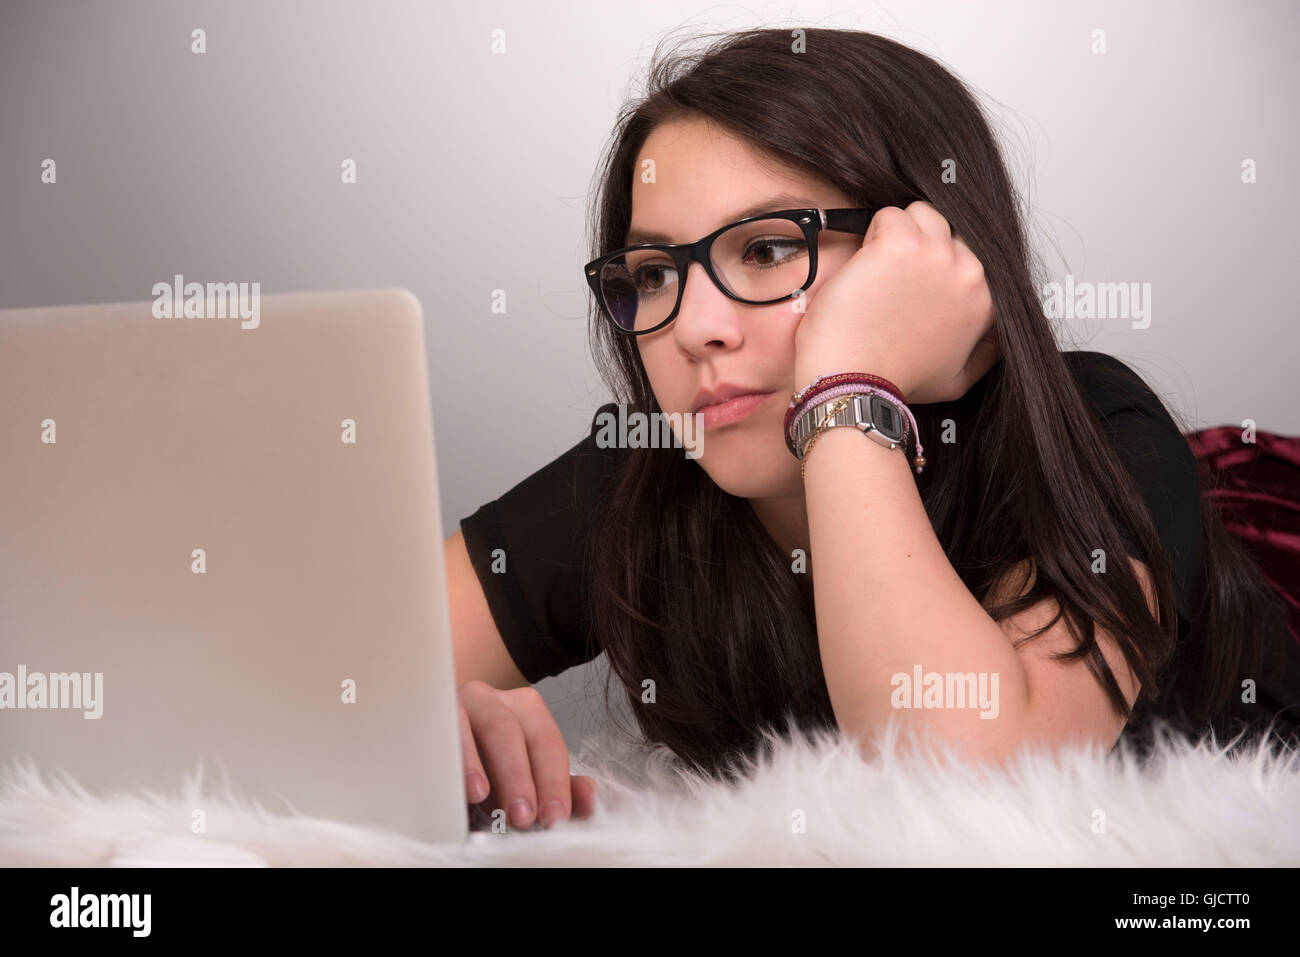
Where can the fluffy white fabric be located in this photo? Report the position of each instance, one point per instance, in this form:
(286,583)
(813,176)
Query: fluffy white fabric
(1189,805)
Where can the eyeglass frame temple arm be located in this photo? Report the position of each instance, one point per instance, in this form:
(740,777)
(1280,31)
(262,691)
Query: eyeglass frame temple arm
(846,220)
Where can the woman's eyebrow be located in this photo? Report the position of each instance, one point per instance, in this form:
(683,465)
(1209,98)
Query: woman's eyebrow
(770,204)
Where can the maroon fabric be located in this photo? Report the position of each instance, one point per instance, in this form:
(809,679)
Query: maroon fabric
(1257,494)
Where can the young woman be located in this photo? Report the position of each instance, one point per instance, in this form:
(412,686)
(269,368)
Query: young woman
(1055,544)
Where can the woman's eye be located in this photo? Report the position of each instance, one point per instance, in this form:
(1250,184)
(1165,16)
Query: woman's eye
(765,252)
(652,278)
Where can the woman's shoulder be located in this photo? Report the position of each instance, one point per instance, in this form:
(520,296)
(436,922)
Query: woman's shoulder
(1111,385)
(1141,430)
(1157,456)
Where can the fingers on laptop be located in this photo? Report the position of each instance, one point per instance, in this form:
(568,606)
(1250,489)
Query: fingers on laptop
(511,739)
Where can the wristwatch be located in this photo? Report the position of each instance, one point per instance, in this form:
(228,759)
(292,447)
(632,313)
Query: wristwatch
(880,418)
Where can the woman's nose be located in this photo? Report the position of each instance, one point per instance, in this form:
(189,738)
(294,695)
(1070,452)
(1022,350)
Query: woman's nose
(706,313)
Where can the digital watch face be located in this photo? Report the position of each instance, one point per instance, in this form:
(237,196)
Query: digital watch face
(886,419)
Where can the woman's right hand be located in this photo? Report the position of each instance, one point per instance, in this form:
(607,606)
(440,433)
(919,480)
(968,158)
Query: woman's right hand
(510,740)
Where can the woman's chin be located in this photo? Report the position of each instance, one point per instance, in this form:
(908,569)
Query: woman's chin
(747,480)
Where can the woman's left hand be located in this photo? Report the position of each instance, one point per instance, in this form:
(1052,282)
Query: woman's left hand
(911,305)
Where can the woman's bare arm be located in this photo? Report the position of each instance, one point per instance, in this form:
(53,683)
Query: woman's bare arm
(477,646)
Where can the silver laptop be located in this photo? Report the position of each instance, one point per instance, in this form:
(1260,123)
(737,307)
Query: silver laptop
(221,549)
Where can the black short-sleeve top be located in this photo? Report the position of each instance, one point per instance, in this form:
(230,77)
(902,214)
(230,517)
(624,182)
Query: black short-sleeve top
(537,589)
(527,551)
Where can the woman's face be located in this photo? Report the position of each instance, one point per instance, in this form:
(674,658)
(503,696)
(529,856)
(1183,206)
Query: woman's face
(703,177)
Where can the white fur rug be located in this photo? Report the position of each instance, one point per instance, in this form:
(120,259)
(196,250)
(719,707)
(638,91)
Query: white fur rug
(810,804)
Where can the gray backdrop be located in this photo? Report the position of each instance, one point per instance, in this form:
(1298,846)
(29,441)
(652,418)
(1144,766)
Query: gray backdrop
(474,169)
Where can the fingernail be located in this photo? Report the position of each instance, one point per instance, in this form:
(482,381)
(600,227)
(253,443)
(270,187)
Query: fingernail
(520,810)
(475,787)
(552,811)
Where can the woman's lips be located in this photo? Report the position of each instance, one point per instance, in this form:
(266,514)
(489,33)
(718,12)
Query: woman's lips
(733,410)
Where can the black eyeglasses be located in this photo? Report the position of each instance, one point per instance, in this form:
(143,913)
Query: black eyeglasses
(760,260)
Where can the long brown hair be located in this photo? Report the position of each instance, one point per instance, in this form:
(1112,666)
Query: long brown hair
(690,592)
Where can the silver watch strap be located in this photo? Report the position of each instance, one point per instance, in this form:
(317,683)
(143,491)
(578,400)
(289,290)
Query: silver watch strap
(855,412)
